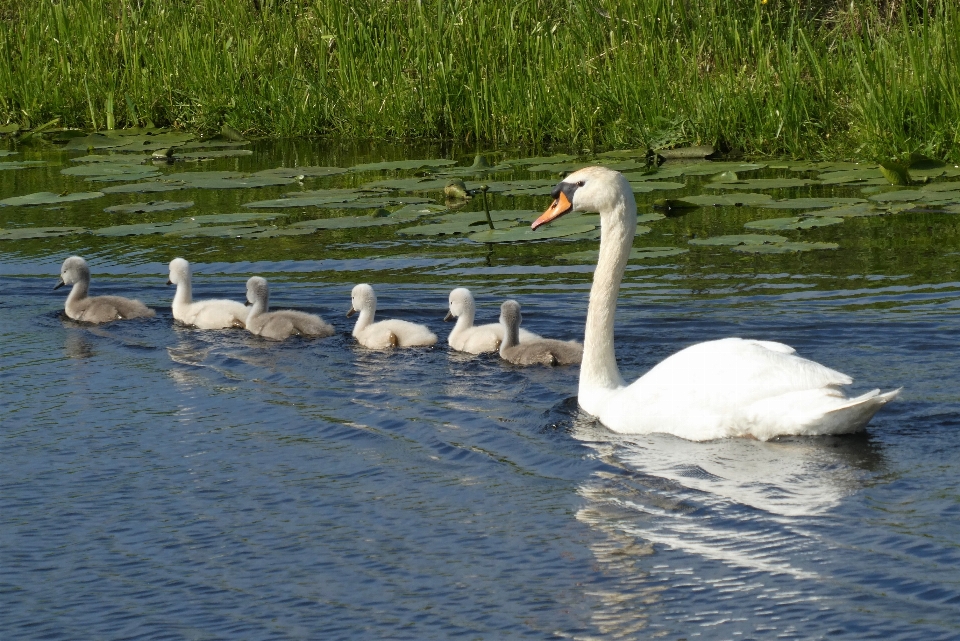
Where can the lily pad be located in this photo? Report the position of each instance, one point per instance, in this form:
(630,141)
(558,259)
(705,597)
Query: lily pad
(649,218)
(226,180)
(637,253)
(654,185)
(306,172)
(813,203)
(734,240)
(844,176)
(111,171)
(5,152)
(208,219)
(412,212)
(851,211)
(302,201)
(129,139)
(396,165)
(412,184)
(895,173)
(146,187)
(729,200)
(781,224)
(214,231)
(903,195)
(760,183)
(25,233)
(143,229)
(210,153)
(540,160)
(20,164)
(523,233)
(148,207)
(709,168)
(942,186)
(784,248)
(699,151)
(49,198)
(346,222)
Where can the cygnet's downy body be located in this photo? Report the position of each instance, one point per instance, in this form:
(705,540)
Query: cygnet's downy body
(204,314)
(385,334)
(283,323)
(475,339)
(95,309)
(544,351)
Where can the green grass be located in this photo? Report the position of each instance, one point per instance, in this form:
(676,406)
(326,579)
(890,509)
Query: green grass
(761,78)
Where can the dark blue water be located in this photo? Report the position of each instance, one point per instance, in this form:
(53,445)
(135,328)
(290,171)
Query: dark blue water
(163,482)
(159,482)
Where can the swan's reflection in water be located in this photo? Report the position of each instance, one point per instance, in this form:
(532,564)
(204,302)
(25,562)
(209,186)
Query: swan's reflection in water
(717,518)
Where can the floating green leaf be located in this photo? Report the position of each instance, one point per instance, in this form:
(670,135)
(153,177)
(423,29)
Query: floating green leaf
(739,239)
(760,183)
(208,219)
(523,233)
(129,139)
(942,186)
(783,248)
(148,207)
(143,229)
(302,201)
(48,198)
(306,172)
(146,187)
(346,222)
(637,253)
(851,211)
(654,185)
(844,176)
(396,165)
(895,173)
(812,203)
(729,200)
(903,195)
(20,164)
(25,233)
(210,153)
(781,224)
(540,160)
(649,218)
(214,231)
(684,153)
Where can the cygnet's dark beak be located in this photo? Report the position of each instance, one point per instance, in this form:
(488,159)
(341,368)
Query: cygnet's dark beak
(247,303)
(169,282)
(448,317)
(351,312)
(59,284)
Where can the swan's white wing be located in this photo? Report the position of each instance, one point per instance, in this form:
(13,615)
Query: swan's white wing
(705,391)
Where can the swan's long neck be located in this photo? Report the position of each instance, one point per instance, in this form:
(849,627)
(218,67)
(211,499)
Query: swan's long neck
(77,294)
(599,369)
(184,295)
(365,319)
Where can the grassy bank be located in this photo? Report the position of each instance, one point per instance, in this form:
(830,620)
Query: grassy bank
(761,77)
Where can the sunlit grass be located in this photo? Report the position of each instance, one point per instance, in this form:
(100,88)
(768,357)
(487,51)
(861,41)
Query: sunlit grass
(763,78)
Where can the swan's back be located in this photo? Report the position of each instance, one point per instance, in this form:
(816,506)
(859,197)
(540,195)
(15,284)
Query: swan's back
(215,314)
(286,323)
(103,309)
(395,333)
(544,351)
(737,387)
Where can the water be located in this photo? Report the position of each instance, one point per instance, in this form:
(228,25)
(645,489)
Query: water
(160,482)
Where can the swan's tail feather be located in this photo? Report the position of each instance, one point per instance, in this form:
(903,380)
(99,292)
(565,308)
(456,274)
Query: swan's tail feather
(823,411)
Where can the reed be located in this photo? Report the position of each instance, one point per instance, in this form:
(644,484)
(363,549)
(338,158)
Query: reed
(777,77)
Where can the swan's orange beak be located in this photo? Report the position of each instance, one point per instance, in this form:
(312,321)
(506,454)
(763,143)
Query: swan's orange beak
(559,207)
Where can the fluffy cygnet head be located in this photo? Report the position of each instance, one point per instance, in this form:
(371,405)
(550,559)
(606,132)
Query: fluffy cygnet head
(362,298)
(510,314)
(73,270)
(596,189)
(179,271)
(258,292)
(461,302)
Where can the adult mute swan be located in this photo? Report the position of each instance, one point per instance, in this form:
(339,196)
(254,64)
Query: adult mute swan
(95,309)
(203,314)
(542,351)
(470,338)
(727,387)
(283,323)
(388,333)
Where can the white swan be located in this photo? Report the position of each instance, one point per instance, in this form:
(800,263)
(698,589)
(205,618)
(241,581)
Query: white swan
(470,338)
(542,351)
(204,314)
(95,309)
(388,333)
(283,323)
(728,387)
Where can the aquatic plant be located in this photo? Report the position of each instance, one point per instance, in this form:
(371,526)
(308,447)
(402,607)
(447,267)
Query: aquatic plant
(807,79)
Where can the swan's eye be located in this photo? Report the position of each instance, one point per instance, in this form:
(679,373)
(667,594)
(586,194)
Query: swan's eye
(580,183)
